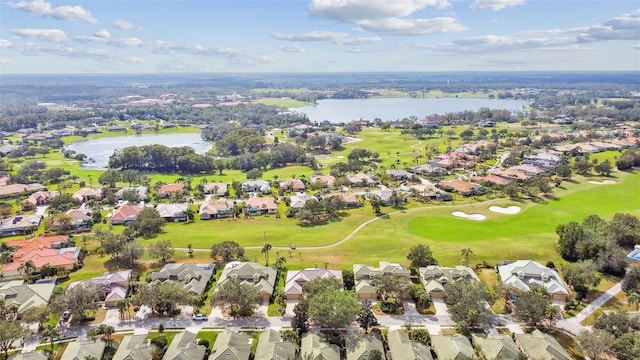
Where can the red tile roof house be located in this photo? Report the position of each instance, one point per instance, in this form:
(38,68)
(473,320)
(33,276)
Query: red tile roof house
(459,186)
(456,160)
(261,205)
(167,190)
(125,214)
(491,179)
(61,259)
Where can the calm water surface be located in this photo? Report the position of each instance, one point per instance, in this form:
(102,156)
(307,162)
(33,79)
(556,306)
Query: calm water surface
(337,111)
(100,149)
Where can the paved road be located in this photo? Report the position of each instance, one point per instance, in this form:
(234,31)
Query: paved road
(573,326)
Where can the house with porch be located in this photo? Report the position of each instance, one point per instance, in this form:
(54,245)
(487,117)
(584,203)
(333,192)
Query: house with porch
(217,209)
(350,199)
(194,277)
(20,224)
(167,190)
(434,278)
(527,274)
(125,214)
(82,218)
(360,180)
(366,277)
(114,285)
(256,186)
(250,273)
(261,206)
(86,194)
(172,212)
(38,198)
(294,185)
(140,191)
(327,179)
(25,296)
(134,347)
(297,278)
(216,189)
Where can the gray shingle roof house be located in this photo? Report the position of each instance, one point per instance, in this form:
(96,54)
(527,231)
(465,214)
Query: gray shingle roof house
(184,347)
(525,274)
(231,345)
(360,346)
(250,273)
(540,346)
(434,278)
(297,278)
(37,355)
(496,346)
(365,277)
(134,347)
(271,347)
(83,348)
(115,285)
(172,212)
(452,347)
(400,347)
(141,191)
(195,277)
(25,296)
(313,346)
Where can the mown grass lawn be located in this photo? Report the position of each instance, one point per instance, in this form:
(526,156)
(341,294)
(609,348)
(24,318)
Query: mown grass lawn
(527,235)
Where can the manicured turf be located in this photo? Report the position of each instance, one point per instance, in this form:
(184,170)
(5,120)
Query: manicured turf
(529,234)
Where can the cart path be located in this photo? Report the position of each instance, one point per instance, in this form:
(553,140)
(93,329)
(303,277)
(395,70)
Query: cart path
(360,227)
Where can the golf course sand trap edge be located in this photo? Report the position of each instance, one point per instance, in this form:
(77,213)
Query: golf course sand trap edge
(605,182)
(474,217)
(509,210)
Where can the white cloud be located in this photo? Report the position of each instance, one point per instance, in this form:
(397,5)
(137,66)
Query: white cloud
(353,11)
(104,34)
(55,35)
(500,44)
(6,61)
(625,27)
(398,26)
(495,5)
(292,48)
(361,40)
(4,44)
(135,60)
(311,36)
(126,42)
(125,25)
(338,38)
(43,8)
(636,46)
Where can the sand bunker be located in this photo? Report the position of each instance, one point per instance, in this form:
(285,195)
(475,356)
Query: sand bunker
(475,217)
(606,182)
(509,210)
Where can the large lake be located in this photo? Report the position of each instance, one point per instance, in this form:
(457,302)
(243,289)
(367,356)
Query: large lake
(100,149)
(338,111)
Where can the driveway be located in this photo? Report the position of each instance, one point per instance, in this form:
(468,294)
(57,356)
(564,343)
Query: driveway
(441,307)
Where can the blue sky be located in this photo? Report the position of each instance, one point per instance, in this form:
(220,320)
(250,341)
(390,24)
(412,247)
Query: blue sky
(158,36)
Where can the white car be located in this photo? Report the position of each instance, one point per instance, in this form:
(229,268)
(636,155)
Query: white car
(200,317)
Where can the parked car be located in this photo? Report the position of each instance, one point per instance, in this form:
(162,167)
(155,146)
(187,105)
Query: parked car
(200,317)
(66,315)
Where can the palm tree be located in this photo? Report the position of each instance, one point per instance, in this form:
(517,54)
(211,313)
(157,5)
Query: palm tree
(27,267)
(551,313)
(634,298)
(280,261)
(50,332)
(106,331)
(265,251)
(466,254)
